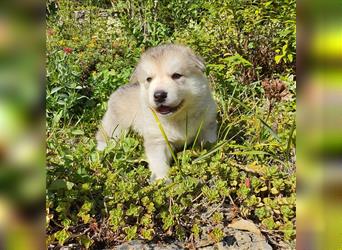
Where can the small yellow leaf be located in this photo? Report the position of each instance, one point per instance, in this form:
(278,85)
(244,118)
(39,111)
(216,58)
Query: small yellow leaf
(276,211)
(255,168)
(274,191)
(278,58)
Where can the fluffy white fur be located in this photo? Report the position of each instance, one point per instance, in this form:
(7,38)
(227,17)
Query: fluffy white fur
(188,98)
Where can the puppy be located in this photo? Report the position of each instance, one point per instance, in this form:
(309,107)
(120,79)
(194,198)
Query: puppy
(169,80)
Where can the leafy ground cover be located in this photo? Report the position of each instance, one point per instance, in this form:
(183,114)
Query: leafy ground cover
(101,199)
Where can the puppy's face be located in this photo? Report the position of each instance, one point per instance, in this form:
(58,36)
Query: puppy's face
(171,78)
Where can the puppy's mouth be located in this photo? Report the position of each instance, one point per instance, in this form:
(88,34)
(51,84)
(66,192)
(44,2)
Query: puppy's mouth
(165,110)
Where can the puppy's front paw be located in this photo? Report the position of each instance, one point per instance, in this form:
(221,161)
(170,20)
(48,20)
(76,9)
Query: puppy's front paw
(209,135)
(154,179)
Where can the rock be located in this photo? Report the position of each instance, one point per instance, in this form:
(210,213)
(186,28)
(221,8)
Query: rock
(141,245)
(235,239)
(245,240)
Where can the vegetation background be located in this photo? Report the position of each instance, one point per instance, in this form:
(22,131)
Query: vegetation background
(100,199)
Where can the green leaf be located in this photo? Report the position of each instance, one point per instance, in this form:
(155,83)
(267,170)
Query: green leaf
(284,49)
(69,185)
(288,230)
(131,232)
(57,118)
(217,234)
(168,222)
(196,230)
(58,185)
(269,223)
(278,58)
(62,236)
(133,210)
(85,241)
(274,190)
(147,234)
(84,211)
(77,132)
(54,90)
(268,3)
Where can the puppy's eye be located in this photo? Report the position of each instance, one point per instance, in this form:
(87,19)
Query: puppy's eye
(176,76)
(149,79)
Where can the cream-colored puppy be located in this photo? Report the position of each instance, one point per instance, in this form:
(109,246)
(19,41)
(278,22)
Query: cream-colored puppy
(170,80)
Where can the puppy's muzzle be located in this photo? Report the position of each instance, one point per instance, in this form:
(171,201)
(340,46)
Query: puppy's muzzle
(159,96)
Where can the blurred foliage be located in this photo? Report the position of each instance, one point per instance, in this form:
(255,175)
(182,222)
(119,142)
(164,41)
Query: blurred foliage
(98,199)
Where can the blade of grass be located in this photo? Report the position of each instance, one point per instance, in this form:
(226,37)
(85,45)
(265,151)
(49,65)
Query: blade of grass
(274,134)
(220,145)
(252,152)
(225,108)
(199,129)
(269,129)
(290,139)
(197,133)
(186,137)
(160,126)
(229,101)
(228,128)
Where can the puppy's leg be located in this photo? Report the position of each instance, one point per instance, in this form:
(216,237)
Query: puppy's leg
(158,156)
(109,128)
(209,133)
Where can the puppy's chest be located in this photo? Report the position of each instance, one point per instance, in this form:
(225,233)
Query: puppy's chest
(178,133)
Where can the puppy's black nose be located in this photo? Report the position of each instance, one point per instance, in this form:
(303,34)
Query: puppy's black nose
(160,96)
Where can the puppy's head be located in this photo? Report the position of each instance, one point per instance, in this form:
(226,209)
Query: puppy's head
(171,78)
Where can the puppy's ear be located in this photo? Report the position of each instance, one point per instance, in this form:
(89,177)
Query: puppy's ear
(134,76)
(199,62)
